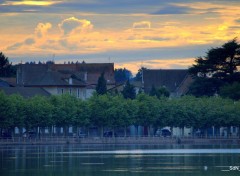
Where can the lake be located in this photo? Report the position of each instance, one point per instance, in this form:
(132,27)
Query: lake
(126,160)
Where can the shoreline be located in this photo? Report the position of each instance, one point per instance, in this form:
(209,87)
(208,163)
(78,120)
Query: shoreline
(125,141)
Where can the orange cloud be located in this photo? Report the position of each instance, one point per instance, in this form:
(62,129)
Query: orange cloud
(142,25)
(30,3)
(42,29)
(75,25)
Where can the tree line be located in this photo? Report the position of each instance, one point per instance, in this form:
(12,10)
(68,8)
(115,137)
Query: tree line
(117,112)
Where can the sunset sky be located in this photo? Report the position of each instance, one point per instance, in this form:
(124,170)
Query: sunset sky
(130,33)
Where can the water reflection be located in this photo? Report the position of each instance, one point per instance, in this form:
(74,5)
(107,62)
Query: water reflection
(118,160)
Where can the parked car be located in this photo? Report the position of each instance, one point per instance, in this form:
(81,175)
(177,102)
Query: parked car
(199,133)
(163,132)
(6,135)
(109,134)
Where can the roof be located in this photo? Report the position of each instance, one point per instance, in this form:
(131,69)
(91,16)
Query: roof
(82,74)
(169,78)
(26,92)
(11,81)
(184,86)
(4,83)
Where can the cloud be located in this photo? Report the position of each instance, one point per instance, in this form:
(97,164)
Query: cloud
(183,63)
(42,29)
(237,20)
(29,3)
(73,24)
(15,46)
(142,25)
(28,41)
(171,9)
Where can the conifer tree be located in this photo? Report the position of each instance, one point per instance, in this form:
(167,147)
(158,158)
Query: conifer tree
(129,91)
(101,88)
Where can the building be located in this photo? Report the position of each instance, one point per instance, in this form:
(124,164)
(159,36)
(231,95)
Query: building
(7,82)
(176,81)
(26,92)
(79,79)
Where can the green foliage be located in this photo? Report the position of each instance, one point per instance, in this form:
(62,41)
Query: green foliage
(82,117)
(101,88)
(129,91)
(6,111)
(148,110)
(204,87)
(161,92)
(64,109)
(218,68)
(116,111)
(38,112)
(231,91)
(99,106)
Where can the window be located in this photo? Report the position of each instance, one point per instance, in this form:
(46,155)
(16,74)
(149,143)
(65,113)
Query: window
(234,129)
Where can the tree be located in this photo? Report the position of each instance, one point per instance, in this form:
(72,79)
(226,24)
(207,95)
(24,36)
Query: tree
(231,91)
(204,87)
(162,91)
(148,111)
(220,65)
(99,107)
(6,112)
(122,75)
(102,85)
(6,68)
(38,113)
(64,110)
(153,91)
(129,91)
(139,74)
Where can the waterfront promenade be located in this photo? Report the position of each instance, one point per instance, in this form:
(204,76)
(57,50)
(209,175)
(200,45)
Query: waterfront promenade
(119,140)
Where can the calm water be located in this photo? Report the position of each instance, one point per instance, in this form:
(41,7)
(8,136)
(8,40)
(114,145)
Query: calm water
(123,160)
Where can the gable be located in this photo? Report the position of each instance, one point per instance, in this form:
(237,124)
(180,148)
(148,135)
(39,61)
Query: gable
(169,78)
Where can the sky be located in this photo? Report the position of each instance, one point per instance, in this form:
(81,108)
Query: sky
(157,34)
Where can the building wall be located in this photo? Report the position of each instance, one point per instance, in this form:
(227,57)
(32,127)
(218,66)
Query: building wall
(79,92)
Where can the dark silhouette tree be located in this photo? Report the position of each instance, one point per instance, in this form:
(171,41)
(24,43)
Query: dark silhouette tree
(153,91)
(129,91)
(231,91)
(6,68)
(139,74)
(218,68)
(102,85)
(122,75)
